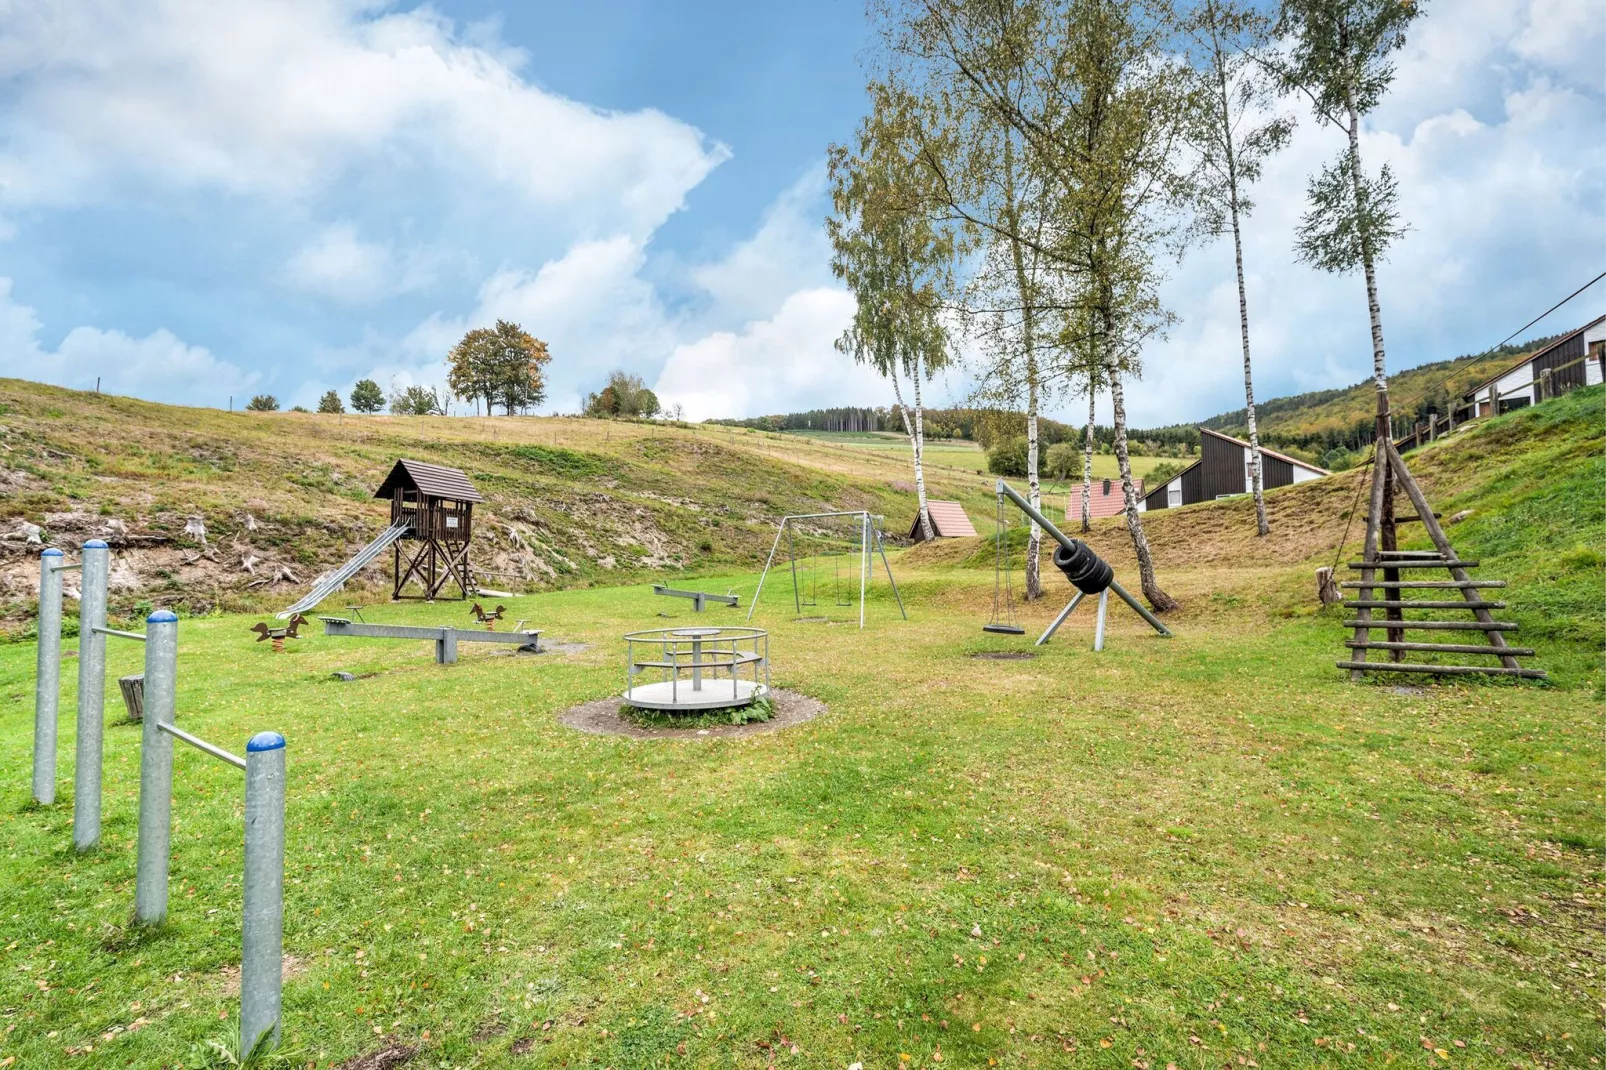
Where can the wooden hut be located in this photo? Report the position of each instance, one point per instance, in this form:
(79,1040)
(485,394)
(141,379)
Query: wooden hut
(435,507)
(948,521)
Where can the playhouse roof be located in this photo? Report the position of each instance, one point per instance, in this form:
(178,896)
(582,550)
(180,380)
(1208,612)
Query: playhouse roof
(948,521)
(435,480)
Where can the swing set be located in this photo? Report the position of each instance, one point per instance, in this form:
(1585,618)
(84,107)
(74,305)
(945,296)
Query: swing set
(1085,570)
(824,553)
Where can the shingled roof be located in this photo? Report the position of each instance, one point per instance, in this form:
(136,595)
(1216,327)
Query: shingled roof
(948,521)
(435,480)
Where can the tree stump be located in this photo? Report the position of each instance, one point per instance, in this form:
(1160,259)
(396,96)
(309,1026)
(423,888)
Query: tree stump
(133,689)
(1326,589)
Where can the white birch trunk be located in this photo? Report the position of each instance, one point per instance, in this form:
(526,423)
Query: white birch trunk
(1087,456)
(1134,522)
(917,445)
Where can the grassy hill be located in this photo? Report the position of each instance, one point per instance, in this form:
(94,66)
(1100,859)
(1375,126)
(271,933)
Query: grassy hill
(570,502)
(1307,418)
(1209,850)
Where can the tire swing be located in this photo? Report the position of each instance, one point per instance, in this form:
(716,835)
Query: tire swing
(1003,621)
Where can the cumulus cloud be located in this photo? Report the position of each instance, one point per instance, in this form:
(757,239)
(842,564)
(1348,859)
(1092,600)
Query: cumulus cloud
(781,364)
(283,99)
(337,264)
(157,365)
(1504,191)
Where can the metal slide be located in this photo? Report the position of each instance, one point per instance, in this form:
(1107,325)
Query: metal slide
(337,579)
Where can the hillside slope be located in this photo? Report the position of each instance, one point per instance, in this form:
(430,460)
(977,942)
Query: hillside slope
(1307,417)
(1533,483)
(570,502)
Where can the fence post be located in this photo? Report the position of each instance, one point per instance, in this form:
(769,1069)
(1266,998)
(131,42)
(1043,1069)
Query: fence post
(91,695)
(262,953)
(156,769)
(47,678)
(1544,386)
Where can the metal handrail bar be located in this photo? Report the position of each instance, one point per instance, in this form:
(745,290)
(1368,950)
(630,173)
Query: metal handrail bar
(121,635)
(67,568)
(201,744)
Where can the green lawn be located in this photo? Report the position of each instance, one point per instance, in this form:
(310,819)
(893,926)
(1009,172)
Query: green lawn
(944,453)
(1204,851)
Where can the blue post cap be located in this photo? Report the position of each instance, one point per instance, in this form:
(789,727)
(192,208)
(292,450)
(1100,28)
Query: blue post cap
(95,544)
(264,741)
(162,616)
(51,552)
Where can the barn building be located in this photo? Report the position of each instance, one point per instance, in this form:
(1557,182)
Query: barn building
(1573,360)
(1224,470)
(1106,499)
(948,521)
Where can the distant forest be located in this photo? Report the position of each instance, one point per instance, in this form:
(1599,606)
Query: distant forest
(1315,424)
(985,427)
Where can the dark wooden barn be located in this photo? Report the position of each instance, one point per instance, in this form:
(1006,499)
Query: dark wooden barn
(435,505)
(1223,470)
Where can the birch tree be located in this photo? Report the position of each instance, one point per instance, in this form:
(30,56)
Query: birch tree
(896,256)
(1233,133)
(1338,57)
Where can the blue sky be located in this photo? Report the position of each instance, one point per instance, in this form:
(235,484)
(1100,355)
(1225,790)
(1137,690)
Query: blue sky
(205,198)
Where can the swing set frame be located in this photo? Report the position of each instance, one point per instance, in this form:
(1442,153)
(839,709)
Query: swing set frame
(871,541)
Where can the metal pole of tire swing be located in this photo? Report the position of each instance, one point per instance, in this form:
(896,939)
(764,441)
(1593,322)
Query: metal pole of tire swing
(864,561)
(1073,547)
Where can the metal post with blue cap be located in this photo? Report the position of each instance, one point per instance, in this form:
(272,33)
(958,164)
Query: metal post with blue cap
(156,768)
(262,955)
(91,695)
(47,678)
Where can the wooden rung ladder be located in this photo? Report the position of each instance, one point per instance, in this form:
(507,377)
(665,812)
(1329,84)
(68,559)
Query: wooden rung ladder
(1377,559)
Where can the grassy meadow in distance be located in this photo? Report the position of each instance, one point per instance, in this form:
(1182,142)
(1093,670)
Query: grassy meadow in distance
(1203,851)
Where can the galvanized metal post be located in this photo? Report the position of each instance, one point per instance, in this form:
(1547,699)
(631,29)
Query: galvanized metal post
(47,678)
(1098,627)
(1064,613)
(156,769)
(91,695)
(864,561)
(262,935)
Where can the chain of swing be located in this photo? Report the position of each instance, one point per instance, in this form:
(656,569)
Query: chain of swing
(806,578)
(1003,620)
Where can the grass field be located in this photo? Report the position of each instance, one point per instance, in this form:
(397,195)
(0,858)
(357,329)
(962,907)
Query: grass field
(1205,851)
(950,454)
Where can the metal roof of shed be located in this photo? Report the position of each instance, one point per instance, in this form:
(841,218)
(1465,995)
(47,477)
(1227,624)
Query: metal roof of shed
(435,480)
(948,521)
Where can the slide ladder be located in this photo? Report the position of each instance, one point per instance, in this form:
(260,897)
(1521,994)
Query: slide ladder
(337,579)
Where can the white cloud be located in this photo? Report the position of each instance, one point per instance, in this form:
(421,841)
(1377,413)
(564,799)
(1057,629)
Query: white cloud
(158,365)
(339,265)
(282,99)
(789,250)
(1506,205)
(785,363)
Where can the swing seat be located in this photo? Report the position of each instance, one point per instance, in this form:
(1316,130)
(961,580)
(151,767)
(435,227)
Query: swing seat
(1004,629)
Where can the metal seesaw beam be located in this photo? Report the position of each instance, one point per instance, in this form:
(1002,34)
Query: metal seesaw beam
(444,638)
(1070,544)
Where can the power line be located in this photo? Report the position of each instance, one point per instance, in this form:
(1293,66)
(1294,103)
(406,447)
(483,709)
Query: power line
(1428,390)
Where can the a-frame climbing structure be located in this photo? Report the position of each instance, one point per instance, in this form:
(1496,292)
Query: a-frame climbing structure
(1382,556)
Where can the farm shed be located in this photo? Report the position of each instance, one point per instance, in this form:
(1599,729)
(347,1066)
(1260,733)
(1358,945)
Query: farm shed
(1223,470)
(948,521)
(1106,499)
(1573,360)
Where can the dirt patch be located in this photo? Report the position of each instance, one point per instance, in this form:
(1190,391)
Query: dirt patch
(601,717)
(548,646)
(382,1059)
(1003,655)
(290,968)
(523,1046)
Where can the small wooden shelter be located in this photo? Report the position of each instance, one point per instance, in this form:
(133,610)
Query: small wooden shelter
(948,521)
(434,505)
